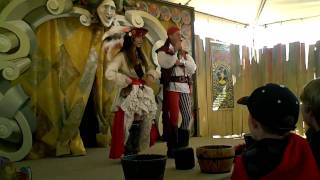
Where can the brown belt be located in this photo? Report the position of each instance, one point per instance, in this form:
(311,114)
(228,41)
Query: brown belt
(180,79)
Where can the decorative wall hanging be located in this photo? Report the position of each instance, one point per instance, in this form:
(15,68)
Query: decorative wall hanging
(222,84)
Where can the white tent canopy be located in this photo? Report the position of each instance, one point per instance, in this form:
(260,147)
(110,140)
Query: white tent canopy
(267,21)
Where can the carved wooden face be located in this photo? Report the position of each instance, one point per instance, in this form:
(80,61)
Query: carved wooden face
(106,12)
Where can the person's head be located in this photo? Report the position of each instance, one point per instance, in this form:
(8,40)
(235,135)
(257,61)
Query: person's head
(134,38)
(106,12)
(133,41)
(174,35)
(310,98)
(137,35)
(273,110)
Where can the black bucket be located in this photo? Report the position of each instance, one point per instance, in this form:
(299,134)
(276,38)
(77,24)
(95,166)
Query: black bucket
(144,167)
(184,158)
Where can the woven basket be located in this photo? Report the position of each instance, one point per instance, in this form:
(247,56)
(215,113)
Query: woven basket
(215,158)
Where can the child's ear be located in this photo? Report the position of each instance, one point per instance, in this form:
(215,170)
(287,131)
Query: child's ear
(253,122)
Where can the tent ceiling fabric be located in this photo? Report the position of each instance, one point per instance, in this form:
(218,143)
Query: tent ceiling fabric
(245,11)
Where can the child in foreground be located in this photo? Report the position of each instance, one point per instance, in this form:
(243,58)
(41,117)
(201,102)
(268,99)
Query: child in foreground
(276,153)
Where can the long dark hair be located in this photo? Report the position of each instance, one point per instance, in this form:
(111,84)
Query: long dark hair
(130,50)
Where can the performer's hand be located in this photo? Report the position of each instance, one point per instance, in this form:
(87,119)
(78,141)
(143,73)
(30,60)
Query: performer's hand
(177,46)
(177,62)
(129,81)
(149,80)
(126,91)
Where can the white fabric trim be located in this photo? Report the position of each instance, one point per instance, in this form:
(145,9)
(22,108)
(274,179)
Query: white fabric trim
(141,102)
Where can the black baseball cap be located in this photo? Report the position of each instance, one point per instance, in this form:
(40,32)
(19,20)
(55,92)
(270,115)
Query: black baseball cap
(274,106)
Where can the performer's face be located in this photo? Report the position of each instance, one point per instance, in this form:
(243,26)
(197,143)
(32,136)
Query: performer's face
(106,13)
(175,37)
(138,41)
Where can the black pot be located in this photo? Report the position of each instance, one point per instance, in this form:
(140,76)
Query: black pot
(184,158)
(144,167)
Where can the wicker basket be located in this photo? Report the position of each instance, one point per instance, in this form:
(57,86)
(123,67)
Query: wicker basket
(215,158)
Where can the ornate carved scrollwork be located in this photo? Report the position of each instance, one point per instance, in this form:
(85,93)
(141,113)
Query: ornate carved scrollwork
(85,16)
(57,7)
(17,38)
(13,69)
(8,41)
(18,42)
(156,30)
(135,19)
(17,122)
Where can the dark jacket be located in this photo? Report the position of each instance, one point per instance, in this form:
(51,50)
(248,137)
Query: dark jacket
(290,158)
(313,138)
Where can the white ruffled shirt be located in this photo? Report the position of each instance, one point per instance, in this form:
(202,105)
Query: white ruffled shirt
(119,71)
(166,61)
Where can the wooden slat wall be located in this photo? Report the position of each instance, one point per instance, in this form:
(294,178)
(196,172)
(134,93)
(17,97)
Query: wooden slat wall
(292,73)
(311,62)
(272,67)
(317,59)
(222,122)
(236,70)
(201,85)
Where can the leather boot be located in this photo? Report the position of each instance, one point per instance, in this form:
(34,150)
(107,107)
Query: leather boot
(132,145)
(183,137)
(172,142)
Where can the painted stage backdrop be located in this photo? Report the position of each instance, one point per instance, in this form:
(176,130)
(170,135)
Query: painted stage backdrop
(57,52)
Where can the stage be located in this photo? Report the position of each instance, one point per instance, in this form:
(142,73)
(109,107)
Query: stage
(96,165)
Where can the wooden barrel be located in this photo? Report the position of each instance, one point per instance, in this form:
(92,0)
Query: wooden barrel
(215,158)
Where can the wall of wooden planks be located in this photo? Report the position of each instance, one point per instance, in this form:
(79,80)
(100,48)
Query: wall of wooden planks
(292,70)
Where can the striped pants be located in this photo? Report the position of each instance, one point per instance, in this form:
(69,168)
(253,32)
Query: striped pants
(173,103)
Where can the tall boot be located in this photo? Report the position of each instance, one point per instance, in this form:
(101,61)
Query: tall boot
(165,126)
(132,145)
(172,142)
(183,137)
